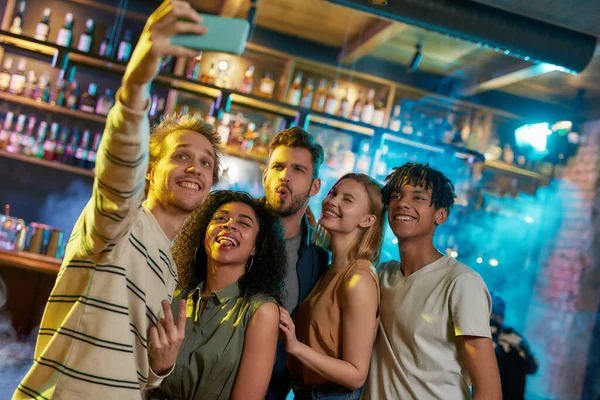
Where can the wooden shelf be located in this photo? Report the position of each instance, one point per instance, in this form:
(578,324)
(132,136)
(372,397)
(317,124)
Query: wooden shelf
(49,164)
(40,105)
(501,165)
(29,261)
(232,151)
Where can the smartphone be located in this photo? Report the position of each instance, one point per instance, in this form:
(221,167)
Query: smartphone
(226,35)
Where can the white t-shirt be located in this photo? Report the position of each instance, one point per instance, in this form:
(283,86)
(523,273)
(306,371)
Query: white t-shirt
(416,353)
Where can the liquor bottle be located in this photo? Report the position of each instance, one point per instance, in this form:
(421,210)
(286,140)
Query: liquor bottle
(194,68)
(124,51)
(65,34)
(210,77)
(42,91)
(106,49)
(6,130)
(43,27)
(249,138)
(88,100)
(308,93)
(61,144)
(267,86)
(91,158)
(14,142)
(248,81)
(368,109)
(295,92)
(331,100)
(17,80)
(223,128)
(379,113)
(30,85)
(357,107)
(395,122)
(85,39)
(344,111)
(71,148)
(72,96)
(50,143)
(236,133)
(37,150)
(5,74)
(363,161)
(17,23)
(264,136)
(57,94)
(318,102)
(81,154)
(105,102)
(28,138)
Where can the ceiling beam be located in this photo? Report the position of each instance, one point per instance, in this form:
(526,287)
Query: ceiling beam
(364,42)
(230,8)
(508,78)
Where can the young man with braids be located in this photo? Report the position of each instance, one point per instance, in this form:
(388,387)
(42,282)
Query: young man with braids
(434,337)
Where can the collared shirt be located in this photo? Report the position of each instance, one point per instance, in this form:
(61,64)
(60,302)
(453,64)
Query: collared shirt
(210,355)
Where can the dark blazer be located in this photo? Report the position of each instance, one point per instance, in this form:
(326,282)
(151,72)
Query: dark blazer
(312,263)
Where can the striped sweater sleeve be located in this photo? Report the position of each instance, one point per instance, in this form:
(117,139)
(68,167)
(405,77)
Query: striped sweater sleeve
(118,191)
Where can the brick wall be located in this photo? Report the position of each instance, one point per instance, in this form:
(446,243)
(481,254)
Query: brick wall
(563,311)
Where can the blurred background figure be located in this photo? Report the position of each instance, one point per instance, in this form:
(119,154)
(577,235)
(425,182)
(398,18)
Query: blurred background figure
(515,360)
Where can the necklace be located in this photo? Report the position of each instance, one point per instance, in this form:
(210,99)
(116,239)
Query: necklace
(435,253)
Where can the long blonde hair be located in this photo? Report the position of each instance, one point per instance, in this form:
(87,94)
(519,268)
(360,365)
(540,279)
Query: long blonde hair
(367,245)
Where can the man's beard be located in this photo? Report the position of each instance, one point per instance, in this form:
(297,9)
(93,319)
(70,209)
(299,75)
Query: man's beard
(169,200)
(298,201)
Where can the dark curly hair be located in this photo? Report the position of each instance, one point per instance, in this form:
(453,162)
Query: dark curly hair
(268,268)
(421,175)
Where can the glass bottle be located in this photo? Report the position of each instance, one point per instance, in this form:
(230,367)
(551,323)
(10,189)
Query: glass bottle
(267,86)
(72,97)
(28,137)
(57,94)
(43,27)
(65,34)
(14,143)
(368,109)
(6,130)
(50,143)
(37,150)
(30,85)
(81,154)
(91,158)
(344,111)
(17,80)
(248,81)
(85,39)
(105,49)
(88,100)
(105,102)
(357,107)
(61,144)
(295,92)
(5,74)
(17,23)
(124,51)
(331,100)
(308,93)
(318,102)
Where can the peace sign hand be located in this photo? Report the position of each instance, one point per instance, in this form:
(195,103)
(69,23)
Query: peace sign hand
(166,338)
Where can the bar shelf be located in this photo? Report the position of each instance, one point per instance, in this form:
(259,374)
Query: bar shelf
(49,164)
(40,105)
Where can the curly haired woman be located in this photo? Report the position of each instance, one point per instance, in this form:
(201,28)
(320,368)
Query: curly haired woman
(231,257)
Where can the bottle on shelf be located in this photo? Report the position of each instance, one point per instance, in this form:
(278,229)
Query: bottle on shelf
(194,68)
(223,128)
(61,144)
(57,93)
(50,143)
(357,107)
(6,130)
(318,102)
(14,143)
(28,138)
(363,161)
(368,109)
(30,85)
(71,148)
(105,102)
(248,81)
(17,80)
(91,157)
(395,121)
(236,133)
(308,93)
(249,138)
(88,100)
(267,86)
(72,96)
(211,76)
(124,51)
(42,90)
(85,39)
(65,34)
(226,82)
(331,100)
(43,27)
(379,113)
(37,149)
(81,154)
(295,92)
(264,136)
(106,47)
(5,74)
(344,111)
(17,23)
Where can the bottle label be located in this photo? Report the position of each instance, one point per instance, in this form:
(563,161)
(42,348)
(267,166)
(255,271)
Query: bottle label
(102,49)
(26,140)
(87,108)
(124,51)
(17,83)
(395,125)
(81,153)
(91,156)
(294,97)
(267,87)
(41,31)
(366,115)
(378,117)
(330,106)
(4,81)
(64,37)
(345,109)
(49,146)
(85,42)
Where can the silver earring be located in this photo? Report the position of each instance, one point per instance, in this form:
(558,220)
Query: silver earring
(249,263)
(196,254)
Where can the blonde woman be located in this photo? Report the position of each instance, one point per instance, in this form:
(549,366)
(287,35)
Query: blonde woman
(331,337)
